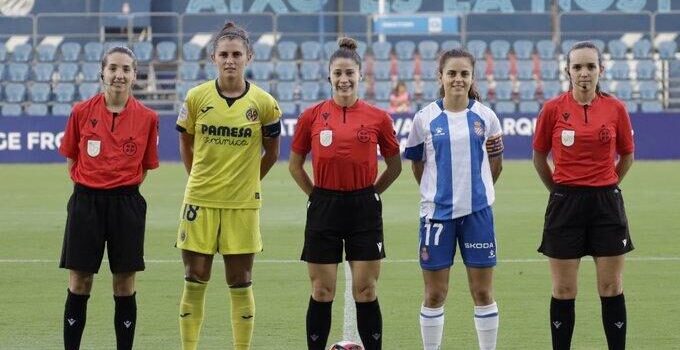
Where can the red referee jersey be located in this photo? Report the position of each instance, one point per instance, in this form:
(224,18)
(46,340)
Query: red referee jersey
(584,140)
(110,149)
(344,143)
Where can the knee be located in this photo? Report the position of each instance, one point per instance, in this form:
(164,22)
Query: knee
(323,293)
(196,274)
(123,284)
(482,296)
(364,293)
(81,283)
(435,297)
(563,291)
(610,288)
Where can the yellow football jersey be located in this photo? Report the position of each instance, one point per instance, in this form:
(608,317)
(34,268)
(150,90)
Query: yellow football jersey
(227,144)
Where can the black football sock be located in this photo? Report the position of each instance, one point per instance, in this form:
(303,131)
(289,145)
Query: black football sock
(318,323)
(614,321)
(75,314)
(125,320)
(369,324)
(562,315)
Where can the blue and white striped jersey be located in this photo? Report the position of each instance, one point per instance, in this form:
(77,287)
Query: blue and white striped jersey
(457,178)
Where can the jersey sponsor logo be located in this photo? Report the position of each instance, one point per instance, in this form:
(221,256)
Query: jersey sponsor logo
(604,135)
(326,137)
(213,130)
(251,114)
(94,147)
(363,135)
(568,137)
(439,131)
(130,148)
(479,245)
(479,128)
(206,109)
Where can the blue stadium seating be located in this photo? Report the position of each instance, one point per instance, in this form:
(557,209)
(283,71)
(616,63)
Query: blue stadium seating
(631,106)
(143,50)
(310,70)
(111,44)
(3,52)
(477,48)
(43,72)
(525,70)
(361,92)
(361,48)
(528,107)
(649,90)
(287,70)
(288,107)
(311,50)
(523,49)
(483,89)
(87,90)
(505,107)
(22,53)
(405,49)
(93,51)
(381,50)
(40,92)
(620,70)
(428,70)
(382,90)
(262,52)
(15,92)
(325,91)
(46,52)
(262,84)
(67,71)
(286,50)
(17,71)
(431,92)
(546,49)
(651,106)
(617,49)
(262,70)
(499,49)
(310,91)
(11,110)
(166,51)
(450,44)
(70,51)
(191,52)
(480,69)
(64,92)
(645,70)
(405,70)
(90,71)
(642,49)
(285,91)
(428,49)
(382,71)
(567,45)
(599,44)
(329,48)
(503,90)
(182,88)
(209,71)
(190,71)
(527,90)
(549,70)
(36,110)
(667,49)
(501,70)
(551,88)
(62,109)
(623,90)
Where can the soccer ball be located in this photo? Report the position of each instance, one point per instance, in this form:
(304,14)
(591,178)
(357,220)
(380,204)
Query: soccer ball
(346,345)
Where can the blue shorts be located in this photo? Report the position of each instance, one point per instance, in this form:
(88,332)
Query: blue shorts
(474,234)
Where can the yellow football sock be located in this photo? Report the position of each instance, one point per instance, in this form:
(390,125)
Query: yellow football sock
(242,316)
(191,314)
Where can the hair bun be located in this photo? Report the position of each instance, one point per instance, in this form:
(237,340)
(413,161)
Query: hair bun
(347,43)
(229,24)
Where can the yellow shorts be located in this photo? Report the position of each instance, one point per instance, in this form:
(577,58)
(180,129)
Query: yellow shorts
(212,230)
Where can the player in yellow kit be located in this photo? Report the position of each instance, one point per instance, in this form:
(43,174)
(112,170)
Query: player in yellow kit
(229,132)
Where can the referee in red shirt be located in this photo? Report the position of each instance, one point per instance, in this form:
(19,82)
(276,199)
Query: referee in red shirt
(109,143)
(343,133)
(585,129)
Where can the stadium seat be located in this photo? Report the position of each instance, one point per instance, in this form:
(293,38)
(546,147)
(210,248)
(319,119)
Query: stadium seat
(70,51)
(431,92)
(64,92)
(189,70)
(527,90)
(382,71)
(525,70)
(599,44)
(617,49)
(262,84)
(46,52)
(288,107)
(285,91)
(43,72)
(505,107)
(405,69)
(311,50)
(191,52)
(3,52)
(87,90)
(93,51)
(262,52)
(546,49)
(667,49)
(651,106)
(645,70)
(143,50)
(361,48)
(11,110)
(632,106)
(361,91)
(623,90)
(329,48)
(90,71)
(2,72)
(17,71)
(110,44)
(310,70)
(483,89)
(503,90)
(304,105)
(648,90)
(166,51)
(61,109)
(499,49)
(429,70)
(642,49)
(450,44)
(528,107)
(209,71)
(382,90)
(22,53)
(501,70)
(381,50)
(36,110)
(40,92)
(567,45)
(286,50)
(325,91)
(551,88)
(523,49)
(405,49)
(620,70)
(549,70)
(262,70)
(183,87)
(477,48)
(286,70)
(310,91)
(67,71)
(480,69)
(428,49)
(15,92)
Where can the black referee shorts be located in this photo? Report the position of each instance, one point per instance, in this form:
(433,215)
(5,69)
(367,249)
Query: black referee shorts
(114,218)
(583,221)
(352,217)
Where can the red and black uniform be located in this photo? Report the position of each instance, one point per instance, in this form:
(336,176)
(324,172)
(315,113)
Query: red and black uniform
(111,153)
(344,144)
(585,213)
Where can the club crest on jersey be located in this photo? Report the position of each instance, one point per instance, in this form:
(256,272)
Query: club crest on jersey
(363,135)
(604,135)
(93,147)
(251,114)
(326,137)
(479,128)
(568,137)
(130,148)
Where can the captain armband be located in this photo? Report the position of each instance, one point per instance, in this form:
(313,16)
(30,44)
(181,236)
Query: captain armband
(272,130)
(494,146)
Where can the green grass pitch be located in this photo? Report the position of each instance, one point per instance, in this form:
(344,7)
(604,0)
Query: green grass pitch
(33,289)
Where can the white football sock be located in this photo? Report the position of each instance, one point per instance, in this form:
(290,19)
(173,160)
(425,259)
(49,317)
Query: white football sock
(431,327)
(486,322)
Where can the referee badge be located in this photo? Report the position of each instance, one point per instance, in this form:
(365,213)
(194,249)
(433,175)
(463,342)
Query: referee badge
(93,147)
(568,137)
(326,137)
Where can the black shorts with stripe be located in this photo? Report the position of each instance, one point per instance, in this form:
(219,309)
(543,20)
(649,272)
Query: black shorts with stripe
(113,219)
(352,218)
(583,221)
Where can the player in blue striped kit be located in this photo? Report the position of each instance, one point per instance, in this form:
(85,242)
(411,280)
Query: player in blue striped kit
(456,148)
